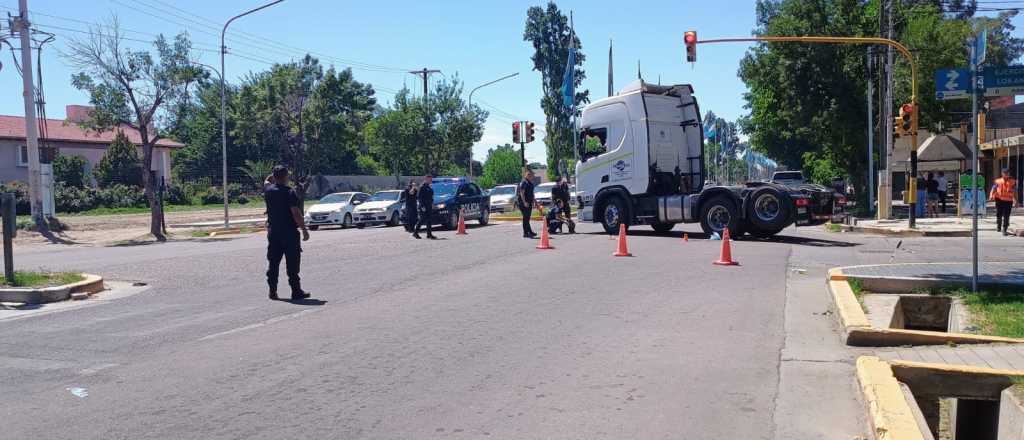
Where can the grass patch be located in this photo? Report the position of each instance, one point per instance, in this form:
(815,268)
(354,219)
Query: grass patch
(833,227)
(42,279)
(200,234)
(995,312)
(857,286)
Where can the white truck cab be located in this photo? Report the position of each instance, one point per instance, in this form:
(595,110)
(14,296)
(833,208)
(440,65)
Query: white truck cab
(641,162)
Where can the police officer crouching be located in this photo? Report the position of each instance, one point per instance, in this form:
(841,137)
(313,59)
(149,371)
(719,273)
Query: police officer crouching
(284,219)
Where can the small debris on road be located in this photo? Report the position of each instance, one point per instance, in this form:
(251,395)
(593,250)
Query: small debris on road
(79,392)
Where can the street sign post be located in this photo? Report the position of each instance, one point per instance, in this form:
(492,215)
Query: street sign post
(8,212)
(1004,81)
(952,84)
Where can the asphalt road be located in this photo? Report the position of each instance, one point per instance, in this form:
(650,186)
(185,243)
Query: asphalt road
(466,337)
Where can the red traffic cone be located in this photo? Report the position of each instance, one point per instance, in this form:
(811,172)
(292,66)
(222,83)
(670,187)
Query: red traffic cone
(686,237)
(545,241)
(623,250)
(726,258)
(462,224)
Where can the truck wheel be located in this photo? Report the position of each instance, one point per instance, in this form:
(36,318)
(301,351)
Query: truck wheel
(717,214)
(662,228)
(768,209)
(614,211)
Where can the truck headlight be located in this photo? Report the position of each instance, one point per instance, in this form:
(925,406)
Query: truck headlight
(439,206)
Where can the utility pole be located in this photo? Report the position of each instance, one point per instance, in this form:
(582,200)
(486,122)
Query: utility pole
(871,135)
(425,73)
(885,193)
(35,180)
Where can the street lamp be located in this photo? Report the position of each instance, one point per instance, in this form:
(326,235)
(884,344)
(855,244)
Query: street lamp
(471,104)
(224,108)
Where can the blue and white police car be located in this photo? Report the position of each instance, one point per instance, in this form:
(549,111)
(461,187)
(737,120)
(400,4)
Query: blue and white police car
(454,193)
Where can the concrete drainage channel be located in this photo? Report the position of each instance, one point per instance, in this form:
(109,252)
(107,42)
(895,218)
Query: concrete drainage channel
(933,380)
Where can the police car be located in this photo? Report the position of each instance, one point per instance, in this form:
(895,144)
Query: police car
(454,193)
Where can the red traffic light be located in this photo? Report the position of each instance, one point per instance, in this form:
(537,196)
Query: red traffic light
(690,37)
(517,133)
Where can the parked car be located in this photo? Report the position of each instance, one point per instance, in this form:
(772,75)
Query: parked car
(382,208)
(335,210)
(542,193)
(454,193)
(503,198)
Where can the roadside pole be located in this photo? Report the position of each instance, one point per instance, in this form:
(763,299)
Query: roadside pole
(871,138)
(35,179)
(7,211)
(974,169)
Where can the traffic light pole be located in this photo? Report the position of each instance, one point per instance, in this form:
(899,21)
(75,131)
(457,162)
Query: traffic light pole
(912,180)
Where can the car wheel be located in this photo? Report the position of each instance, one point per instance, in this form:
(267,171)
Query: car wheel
(453,221)
(394,219)
(662,228)
(314,227)
(614,212)
(718,214)
(485,216)
(347,221)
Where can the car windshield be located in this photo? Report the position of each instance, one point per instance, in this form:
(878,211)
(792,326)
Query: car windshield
(545,188)
(503,190)
(795,175)
(444,191)
(336,198)
(386,196)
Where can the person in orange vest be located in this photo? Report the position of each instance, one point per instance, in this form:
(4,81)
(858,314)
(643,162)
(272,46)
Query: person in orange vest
(1004,192)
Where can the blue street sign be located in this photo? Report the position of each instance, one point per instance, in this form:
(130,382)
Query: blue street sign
(980,47)
(1004,81)
(952,84)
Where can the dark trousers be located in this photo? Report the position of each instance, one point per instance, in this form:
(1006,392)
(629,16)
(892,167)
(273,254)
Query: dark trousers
(424,220)
(411,218)
(1003,209)
(527,212)
(287,246)
(942,200)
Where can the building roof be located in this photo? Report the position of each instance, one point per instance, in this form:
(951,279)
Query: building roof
(13,127)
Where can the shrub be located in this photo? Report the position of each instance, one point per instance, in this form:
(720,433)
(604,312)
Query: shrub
(120,164)
(70,170)
(22,204)
(73,199)
(122,196)
(178,195)
(70,199)
(214,195)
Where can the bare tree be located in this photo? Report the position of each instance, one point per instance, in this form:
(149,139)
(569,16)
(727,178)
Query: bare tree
(131,88)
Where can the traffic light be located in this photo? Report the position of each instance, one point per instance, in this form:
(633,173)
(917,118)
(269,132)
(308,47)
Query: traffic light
(906,118)
(690,38)
(516,133)
(530,131)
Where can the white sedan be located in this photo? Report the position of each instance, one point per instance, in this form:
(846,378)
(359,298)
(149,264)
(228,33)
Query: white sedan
(382,208)
(335,210)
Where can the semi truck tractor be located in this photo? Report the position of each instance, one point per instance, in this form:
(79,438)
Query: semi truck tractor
(642,163)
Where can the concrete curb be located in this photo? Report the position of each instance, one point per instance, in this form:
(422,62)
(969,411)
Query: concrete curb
(910,284)
(903,232)
(90,285)
(890,415)
(236,231)
(857,330)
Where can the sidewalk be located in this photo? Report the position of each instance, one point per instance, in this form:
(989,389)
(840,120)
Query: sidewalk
(936,227)
(940,273)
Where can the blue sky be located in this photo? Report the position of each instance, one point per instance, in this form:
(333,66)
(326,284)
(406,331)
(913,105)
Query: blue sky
(478,41)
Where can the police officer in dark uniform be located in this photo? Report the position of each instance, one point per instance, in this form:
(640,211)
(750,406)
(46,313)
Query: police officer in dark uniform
(560,196)
(283,223)
(426,199)
(412,210)
(526,202)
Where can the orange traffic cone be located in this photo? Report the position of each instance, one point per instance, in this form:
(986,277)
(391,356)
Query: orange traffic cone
(545,241)
(686,237)
(726,258)
(462,224)
(623,250)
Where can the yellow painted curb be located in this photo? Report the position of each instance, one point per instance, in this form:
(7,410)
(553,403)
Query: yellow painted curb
(958,369)
(890,415)
(858,331)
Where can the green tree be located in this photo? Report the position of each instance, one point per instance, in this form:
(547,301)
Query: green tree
(547,29)
(502,166)
(70,170)
(257,171)
(120,164)
(134,88)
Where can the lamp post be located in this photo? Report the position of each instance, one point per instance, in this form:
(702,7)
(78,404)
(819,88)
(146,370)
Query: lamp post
(471,104)
(223,105)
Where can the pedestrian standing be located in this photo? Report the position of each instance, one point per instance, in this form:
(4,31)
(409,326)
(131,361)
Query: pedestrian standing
(562,195)
(425,196)
(526,202)
(1004,192)
(932,188)
(922,196)
(943,189)
(284,220)
(409,196)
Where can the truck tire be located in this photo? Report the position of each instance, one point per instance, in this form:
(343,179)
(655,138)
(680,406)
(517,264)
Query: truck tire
(614,211)
(662,228)
(768,209)
(718,213)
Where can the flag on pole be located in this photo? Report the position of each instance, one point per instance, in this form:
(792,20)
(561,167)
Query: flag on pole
(611,82)
(569,81)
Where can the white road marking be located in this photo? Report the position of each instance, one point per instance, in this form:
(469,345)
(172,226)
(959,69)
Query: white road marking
(273,320)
